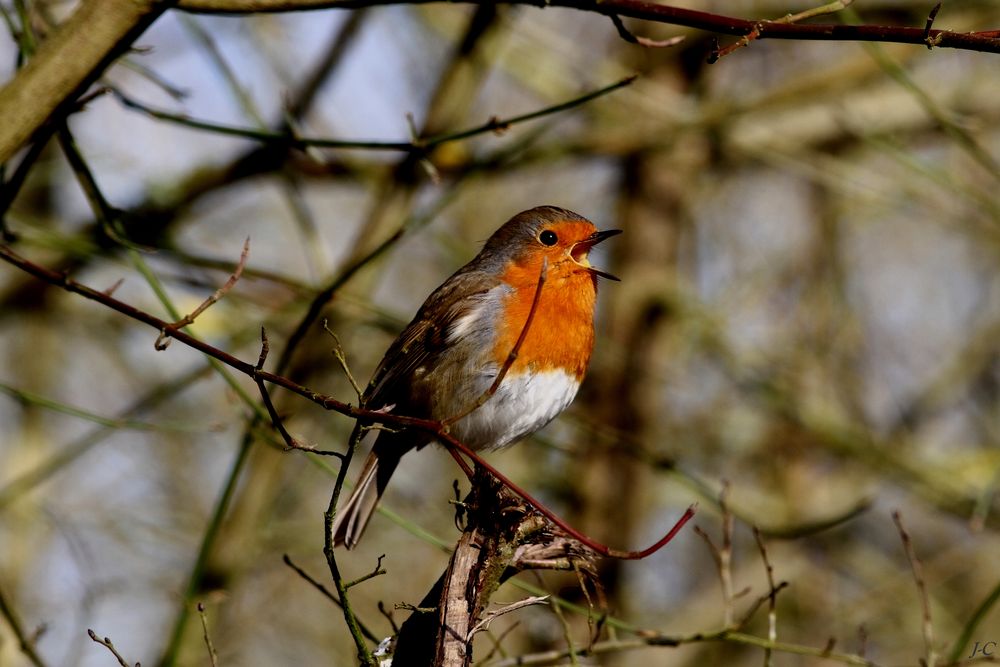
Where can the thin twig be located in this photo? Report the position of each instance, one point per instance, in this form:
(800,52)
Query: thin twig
(928,40)
(632,38)
(726,552)
(761,599)
(387,613)
(828,8)
(416,144)
(23,640)
(106,643)
(498,641)
(652,639)
(212,655)
(265,395)
(722,555)
(291,442)
(341,357)
(567,633)
(326,593)
(496,613)
(365,656)
(162,341)
(918,577)
(377,572)
(754,31)
(772,617)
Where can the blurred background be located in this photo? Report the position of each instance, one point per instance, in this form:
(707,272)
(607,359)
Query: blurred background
(809,312)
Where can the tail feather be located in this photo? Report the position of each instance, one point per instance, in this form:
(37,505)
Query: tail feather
(355,514)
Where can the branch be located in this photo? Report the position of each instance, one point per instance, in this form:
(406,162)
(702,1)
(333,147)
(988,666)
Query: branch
(69,61)
(506,609)
(723,555)
(212,655)
(326,593)
(212,299)
(970,626)
(455,448)
(287,138)
(772,617)
(106,643)
(987,41)
(499,527)
(23,640)
(723,636)
(365,656)
(918,577)
(631,38)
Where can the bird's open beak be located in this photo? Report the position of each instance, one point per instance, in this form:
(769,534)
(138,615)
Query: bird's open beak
(580,250)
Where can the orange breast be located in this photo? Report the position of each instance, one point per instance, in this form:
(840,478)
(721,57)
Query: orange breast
(561,335)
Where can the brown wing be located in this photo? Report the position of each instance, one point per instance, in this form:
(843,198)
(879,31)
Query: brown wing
(425,338)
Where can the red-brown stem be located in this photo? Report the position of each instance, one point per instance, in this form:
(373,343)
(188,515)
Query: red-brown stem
(259,376)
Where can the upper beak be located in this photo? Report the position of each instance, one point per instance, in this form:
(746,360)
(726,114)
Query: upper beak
(580,250)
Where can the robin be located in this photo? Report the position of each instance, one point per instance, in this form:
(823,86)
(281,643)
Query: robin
(447,359)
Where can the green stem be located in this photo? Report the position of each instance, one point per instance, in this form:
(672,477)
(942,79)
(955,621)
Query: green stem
(973,623)
(205,550)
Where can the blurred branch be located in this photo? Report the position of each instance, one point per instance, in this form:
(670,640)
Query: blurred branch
(961,135)
(71,452)
(987,41)
(67,62)
(927,627)
(326,593)
(958,649)
(288,139)
(788,531)
(772,592)
(556,657)
(30,398)
(208,538)
(151,220)
(23,641)
(722,555)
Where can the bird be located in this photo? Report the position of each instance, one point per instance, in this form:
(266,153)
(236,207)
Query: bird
(445,362)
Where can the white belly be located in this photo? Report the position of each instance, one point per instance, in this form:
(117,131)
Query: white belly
(522,405)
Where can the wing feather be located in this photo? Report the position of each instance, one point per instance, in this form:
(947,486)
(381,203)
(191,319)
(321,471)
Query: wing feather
(425,338)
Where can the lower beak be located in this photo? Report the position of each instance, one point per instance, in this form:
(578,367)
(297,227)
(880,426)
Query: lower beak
(580,250)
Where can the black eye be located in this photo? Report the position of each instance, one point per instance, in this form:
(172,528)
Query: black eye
(548,237)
